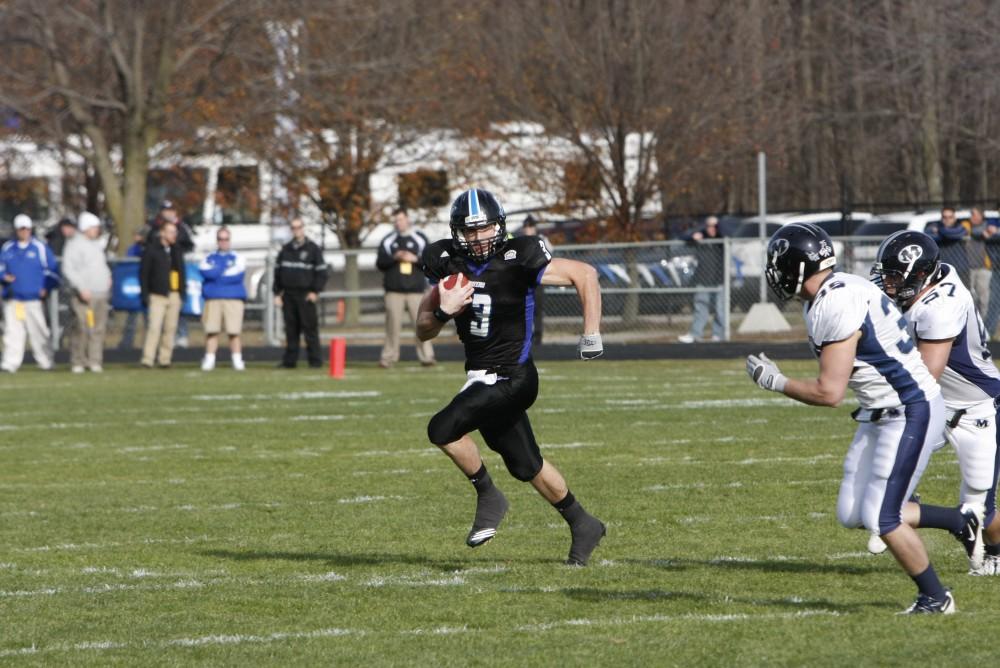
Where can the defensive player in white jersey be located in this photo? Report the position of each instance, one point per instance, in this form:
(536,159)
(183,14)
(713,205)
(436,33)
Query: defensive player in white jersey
(861,341)
(952,341)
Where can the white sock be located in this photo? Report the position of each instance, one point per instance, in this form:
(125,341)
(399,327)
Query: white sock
(237,358)
(210,357)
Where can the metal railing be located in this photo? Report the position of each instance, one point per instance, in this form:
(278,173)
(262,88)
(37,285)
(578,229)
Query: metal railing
(650,292)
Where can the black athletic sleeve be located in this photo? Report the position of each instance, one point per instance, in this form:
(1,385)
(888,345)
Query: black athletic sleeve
(533,255)
(436,261)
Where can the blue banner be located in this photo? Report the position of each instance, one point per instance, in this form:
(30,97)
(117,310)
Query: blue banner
(126,293)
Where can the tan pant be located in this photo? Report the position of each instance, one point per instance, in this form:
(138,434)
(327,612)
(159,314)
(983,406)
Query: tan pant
(395,303)
(25,320)
(87,338)
(163,315)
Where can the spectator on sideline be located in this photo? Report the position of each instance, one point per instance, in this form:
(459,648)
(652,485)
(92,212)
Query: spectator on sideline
(991,237)
(128,329)
(979,262)
(185,240)
(299,277)
(707,274)
(530,229)
(222,287)
(59,236)
(88,276)
(399,261)
(29,271)
(161,276)
(951,238)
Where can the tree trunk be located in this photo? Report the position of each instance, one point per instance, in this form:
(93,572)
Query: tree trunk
(135,164)
(930,137)
(352,281)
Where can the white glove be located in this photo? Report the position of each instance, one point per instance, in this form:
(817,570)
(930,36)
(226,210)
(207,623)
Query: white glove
(765,373)
(590,346)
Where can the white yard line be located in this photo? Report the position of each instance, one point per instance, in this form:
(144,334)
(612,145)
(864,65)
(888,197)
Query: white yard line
(264,638)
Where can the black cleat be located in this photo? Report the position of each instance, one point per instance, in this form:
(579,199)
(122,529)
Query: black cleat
(972,536)
(491,507)
(587,534)
(925,605)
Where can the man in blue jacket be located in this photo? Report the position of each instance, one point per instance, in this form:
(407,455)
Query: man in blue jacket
(29,271)
(222,286)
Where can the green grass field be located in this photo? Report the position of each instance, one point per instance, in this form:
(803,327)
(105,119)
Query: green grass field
(285,518)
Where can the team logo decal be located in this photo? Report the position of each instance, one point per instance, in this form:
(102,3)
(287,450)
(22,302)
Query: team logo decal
(982,424)
(778,248)
(910,254)
(302,255)
(510,255)
(444,254)
(823,252)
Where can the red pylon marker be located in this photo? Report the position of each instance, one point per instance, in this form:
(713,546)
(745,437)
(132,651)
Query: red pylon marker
(338,354)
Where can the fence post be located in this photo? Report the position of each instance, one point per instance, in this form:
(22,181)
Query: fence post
(55,329)
(727,292)
(270,327)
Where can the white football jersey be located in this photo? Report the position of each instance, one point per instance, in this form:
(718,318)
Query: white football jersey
(888,371)
(948,311)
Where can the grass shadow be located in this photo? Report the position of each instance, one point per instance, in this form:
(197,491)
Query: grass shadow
(336,559)
(594,595)
(764,565)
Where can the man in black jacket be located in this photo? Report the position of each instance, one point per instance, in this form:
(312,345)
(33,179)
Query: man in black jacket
(161,277)
(399,261)
(299,277)
(708,304)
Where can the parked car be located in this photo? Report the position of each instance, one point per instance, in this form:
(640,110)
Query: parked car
(862,253)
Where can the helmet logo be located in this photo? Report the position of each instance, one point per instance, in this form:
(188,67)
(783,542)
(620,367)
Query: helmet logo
(779,247)
(824,249)
(910,254)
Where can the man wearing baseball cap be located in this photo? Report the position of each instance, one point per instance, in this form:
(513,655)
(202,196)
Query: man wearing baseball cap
(85,267)
(28,271)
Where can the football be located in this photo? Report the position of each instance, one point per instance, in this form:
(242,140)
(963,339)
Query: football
(449,281)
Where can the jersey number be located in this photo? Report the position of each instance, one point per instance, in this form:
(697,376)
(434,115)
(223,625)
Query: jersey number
(905,343)
(482,305)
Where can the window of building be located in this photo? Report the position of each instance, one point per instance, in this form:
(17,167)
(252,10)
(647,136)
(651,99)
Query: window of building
(424,188)
(237,195)
(29,196)
(184,186)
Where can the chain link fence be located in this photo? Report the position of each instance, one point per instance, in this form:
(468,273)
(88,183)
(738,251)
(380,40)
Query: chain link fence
(650,291)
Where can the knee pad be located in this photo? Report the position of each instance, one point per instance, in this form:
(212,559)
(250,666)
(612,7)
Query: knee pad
(522,469)
(439,431)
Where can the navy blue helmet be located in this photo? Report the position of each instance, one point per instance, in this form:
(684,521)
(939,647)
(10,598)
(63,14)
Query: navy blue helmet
(473,211)
(907,261)
(794,253)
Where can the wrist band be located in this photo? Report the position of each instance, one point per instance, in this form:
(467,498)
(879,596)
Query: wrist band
(441,315)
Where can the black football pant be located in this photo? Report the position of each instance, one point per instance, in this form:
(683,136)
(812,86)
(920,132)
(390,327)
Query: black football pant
(300,320)
(498,412)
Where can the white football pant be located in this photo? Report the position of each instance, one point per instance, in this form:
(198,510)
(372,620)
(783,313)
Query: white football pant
(877,469)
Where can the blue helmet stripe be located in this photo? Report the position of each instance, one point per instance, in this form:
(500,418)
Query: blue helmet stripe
(473,202)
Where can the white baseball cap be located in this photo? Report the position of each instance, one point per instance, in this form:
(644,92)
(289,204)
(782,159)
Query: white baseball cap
(87,220)
(21,221)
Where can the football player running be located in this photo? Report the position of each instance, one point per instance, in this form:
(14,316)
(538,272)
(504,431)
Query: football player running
(862,342)
(494,315)
(943,320)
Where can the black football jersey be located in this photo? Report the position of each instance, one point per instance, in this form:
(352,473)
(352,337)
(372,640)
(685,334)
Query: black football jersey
(496,327)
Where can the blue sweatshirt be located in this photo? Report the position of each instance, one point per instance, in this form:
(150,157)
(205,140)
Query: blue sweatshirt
(222,276)
(33,266)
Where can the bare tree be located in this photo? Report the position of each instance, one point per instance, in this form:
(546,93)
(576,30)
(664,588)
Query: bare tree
(101,77)
(356,94)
